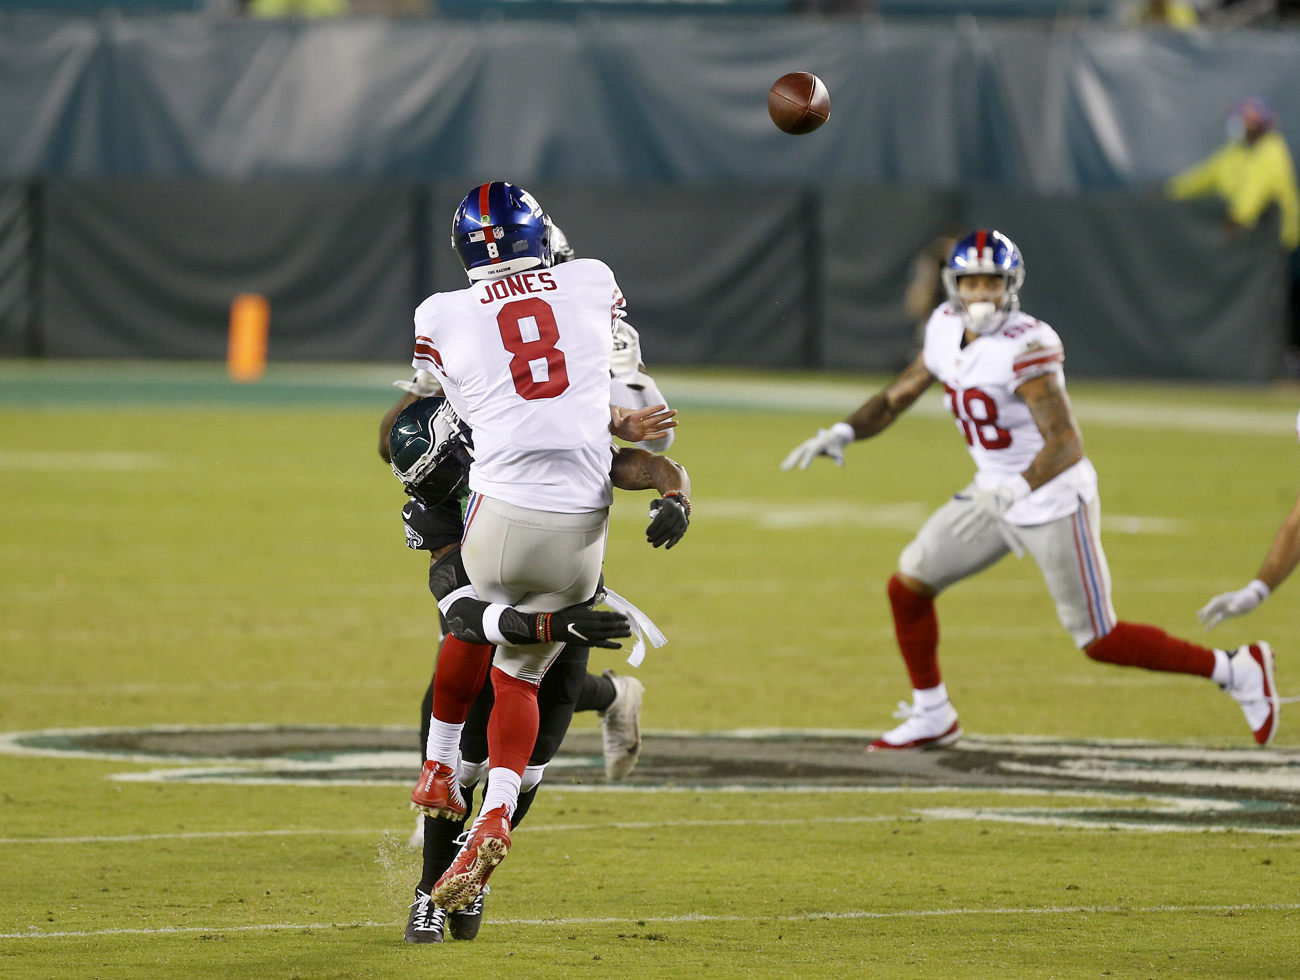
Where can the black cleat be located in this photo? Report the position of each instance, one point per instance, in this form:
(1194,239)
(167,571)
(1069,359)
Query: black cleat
(427,923)
(464,924)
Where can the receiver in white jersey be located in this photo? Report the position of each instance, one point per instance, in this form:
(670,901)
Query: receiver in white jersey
(980,382)
(525,361)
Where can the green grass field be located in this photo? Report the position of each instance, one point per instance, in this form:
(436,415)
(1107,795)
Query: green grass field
(175,550)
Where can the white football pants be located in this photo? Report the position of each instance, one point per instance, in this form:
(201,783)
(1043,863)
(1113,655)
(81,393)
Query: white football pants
(1068,552)
(534,560)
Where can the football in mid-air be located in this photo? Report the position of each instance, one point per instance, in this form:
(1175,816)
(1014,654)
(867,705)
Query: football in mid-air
(798,103)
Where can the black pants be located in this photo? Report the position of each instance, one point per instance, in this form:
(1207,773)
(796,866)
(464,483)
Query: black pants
(557,696)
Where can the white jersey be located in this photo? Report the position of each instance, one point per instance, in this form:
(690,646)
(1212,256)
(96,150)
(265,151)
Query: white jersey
(980,382)
(524,360)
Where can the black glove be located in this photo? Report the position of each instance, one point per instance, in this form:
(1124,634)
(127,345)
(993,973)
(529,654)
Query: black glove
(670,516)
(583,627)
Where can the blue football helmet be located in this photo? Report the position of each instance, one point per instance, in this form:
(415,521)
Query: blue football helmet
(991,253)
(431,450)
(500,229)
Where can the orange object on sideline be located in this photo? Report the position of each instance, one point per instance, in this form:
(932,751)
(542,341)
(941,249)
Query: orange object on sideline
(250,321)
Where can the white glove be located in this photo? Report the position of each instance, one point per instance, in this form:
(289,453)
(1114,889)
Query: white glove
(827,442)
(1230,604)
(988,508)
(625,359)
(423,385)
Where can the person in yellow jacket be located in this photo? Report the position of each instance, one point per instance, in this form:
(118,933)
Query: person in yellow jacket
(1251,172)
(270,9)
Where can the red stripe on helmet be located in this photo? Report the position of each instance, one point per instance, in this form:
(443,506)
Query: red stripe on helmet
(485,217)
(981,239)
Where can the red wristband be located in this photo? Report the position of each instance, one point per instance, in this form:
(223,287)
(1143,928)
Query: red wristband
(681,498)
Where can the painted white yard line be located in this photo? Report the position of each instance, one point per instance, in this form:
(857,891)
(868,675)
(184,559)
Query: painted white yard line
(1169,804)
(191,835)
(1072,910)
(1037,818)
(78,462)
(832,397)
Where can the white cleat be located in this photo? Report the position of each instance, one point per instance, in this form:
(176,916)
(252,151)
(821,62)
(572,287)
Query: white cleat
(620,726)
(1253,688)
(416,841)
(934,728)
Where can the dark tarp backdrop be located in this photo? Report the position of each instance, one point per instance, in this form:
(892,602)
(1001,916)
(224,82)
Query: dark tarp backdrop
(149,268)
(1147,288)
(1015,104)
(16,269)
(775,276)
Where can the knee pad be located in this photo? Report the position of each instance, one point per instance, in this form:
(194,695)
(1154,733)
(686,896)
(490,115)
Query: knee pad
(531,777)
(471,773)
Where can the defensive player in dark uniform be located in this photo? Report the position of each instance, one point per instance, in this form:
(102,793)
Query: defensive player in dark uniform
(429,451)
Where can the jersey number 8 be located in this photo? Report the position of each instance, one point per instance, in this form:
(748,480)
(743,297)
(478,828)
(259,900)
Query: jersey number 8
(529,332)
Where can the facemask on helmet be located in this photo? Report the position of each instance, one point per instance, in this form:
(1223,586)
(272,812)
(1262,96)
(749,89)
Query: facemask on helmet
(561,250)
(431,450)
(499,230)
(989,253)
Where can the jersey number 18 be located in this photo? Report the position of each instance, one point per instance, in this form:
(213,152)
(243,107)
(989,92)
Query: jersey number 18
(977,417)
(530,333)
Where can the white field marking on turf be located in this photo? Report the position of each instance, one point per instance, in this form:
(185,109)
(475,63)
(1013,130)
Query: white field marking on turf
(1038,818)
(783,515)
(775,394)
(65,462)
(1167,804)
(192,835)
(689,917)
(11,742)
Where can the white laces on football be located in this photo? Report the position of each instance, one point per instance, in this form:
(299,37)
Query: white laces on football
(639,622)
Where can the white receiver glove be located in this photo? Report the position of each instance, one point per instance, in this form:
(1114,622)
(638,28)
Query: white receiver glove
(423,385)
(1231,604)
(625,358)
(827,442)
(988,508)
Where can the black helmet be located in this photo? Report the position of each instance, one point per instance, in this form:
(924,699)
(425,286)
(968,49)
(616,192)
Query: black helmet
(431,450)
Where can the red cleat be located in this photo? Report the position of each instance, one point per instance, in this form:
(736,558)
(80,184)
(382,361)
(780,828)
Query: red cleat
(1253,687)
(487,845)
(437,794)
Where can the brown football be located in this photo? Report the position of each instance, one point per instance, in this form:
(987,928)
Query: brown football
(798,103)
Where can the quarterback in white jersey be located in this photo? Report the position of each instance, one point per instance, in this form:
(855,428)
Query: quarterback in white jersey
(523,357)
(536,397)
(1034,490)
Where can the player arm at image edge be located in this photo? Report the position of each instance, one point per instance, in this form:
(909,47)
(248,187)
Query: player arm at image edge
(1282,558)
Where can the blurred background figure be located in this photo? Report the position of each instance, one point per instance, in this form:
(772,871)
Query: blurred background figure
(1252,172)
(925,289)
(298,8)
(1178,15)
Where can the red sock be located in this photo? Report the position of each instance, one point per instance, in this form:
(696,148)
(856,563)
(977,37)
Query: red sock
(917,629)
(512,726)
(462,669)
(1135,645)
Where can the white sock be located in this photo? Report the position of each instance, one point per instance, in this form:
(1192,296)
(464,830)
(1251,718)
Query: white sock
(502,790)
(443,744)
(1222,669)
(929,698)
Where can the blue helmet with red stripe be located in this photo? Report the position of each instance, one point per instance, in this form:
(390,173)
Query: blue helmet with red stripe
(500,229)
(985,253)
